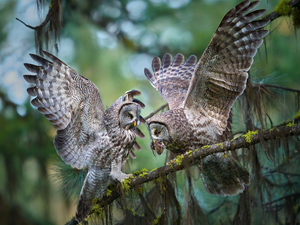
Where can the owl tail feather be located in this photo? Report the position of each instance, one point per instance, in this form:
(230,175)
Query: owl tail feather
(94,185)
(223,175)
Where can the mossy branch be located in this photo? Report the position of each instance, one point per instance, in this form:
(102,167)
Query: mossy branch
(193,157)
(284,8)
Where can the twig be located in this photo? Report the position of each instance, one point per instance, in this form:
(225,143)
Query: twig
(283,88)
(47,19)
(156,111)
(272,16)
(288,174)
(279,199)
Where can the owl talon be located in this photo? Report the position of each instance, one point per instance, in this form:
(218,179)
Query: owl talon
(120,176)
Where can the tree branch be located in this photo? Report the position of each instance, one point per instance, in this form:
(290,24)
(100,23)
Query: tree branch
(156,111)
(274,15)
(47,19)
(283,88)
(193,157)
(279,199)
(44,23)
(51,26)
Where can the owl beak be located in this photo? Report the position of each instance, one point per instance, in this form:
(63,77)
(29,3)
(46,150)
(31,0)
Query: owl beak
(133,125)
(157,146)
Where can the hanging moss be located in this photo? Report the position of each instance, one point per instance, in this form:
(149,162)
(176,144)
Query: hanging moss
(141,190)
(296,17)
(283,8)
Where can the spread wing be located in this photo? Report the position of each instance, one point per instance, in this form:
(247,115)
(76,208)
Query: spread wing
(221,73)
(70,102)
(172,78)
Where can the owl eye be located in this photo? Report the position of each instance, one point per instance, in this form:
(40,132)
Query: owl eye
(129,116)
(157,132)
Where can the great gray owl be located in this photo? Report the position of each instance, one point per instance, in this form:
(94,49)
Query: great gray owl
(201,95)
(88,136)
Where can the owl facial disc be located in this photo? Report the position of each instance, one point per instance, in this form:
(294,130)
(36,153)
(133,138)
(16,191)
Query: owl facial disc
(159,136)
(129,116)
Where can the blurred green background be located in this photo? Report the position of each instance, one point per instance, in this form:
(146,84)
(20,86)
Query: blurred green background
(110,42)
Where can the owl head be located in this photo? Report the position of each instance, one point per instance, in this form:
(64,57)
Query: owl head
(124,114)
(160,135)
(129,115)
(168,130)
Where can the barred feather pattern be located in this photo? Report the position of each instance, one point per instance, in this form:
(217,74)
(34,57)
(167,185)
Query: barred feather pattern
(70,102)
(88,136)
(172,78)
(221,73)
(201,102)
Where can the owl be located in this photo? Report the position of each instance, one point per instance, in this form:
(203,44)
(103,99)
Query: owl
(88,136)
(201,94)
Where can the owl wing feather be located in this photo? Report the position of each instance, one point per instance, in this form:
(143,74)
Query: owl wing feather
(70,102)
(221,74)
(172,78)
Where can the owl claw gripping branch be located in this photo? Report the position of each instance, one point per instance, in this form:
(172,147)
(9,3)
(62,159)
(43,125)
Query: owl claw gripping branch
(88,136)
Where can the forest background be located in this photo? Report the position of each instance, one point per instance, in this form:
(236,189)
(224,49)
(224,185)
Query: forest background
(110,43)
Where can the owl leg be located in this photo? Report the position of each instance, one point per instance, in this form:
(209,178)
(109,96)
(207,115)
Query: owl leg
(116,172)
(94,185)
(223,175)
